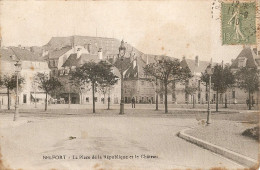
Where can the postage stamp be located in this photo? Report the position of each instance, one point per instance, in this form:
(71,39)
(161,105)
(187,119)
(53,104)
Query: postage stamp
(238,23)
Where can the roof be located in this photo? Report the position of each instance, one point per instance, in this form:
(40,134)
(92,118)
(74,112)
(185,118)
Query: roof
(22,54)
(74,61)
(141,61)
(71,61)
(88,57)
(247,53)
(125,65)
(193,67)
(96,42)
(59,52)
(5,54)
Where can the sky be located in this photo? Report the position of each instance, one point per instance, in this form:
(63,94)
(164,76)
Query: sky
(175,28)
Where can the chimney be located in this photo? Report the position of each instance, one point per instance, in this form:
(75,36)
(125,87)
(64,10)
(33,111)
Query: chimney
(134,63)
(100,56)
(197,61)
(90,48)
(78,53)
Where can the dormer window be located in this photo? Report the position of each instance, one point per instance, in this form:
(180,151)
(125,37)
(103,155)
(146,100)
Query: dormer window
(242,62)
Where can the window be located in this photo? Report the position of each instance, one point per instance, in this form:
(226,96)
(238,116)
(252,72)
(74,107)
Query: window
(242,62)
(233,94)
(87,99)
(24,98)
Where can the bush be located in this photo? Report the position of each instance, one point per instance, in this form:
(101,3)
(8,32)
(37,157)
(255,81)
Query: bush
(252,132)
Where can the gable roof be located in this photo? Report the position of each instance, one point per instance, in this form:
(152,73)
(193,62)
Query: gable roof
(193,67)
(141,61)
(59,52)
(74,61)
(22,54)
(5,54)
(247,53)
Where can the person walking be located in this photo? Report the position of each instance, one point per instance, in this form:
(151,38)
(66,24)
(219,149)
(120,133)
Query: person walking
(133,102)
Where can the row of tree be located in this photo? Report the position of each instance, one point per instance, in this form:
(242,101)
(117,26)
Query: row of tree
(223,78)
(98,75)
(162,72)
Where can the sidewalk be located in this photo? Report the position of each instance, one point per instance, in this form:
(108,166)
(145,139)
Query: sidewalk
(227,135)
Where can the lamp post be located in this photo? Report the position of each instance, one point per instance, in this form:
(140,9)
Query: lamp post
(17,66)
(209,72)
(122,50)
(69,83)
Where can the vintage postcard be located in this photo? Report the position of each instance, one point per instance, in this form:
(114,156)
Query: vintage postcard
(129,85)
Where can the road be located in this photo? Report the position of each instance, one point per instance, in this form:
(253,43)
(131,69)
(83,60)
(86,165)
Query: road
(25,145)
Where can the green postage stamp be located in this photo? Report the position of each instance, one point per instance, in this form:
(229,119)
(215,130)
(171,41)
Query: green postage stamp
(238,22)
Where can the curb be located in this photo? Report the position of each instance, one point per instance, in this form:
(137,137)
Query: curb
(241,159)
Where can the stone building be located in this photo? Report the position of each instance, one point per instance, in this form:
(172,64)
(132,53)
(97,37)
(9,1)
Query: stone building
(248,57)
(83,94)
(31,64)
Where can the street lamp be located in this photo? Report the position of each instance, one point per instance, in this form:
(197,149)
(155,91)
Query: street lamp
(69,83)
(18,67)
(209,72)
(122,51)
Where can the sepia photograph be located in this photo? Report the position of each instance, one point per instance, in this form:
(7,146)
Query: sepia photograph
(129,85)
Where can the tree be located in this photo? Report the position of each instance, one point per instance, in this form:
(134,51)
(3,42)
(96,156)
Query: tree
(222,79)
(94,73)
(166,70)
(9,82)
(191,90)
(107,82)
(47,84)
(248,79)
(205,78)
(229,79)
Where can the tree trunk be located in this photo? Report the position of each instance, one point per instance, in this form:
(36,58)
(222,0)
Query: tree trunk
(93,95)
(8,98)
(108,99)
(217,102)
(173,92)
(156,97)
(156,101)
(165,97)
(225,100)
(46,100)
(249,98)
(108,103)
(193,100)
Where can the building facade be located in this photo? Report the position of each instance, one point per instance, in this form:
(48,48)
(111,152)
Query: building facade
(31,64)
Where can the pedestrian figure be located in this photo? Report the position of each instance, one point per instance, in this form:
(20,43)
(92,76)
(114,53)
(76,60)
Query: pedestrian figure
(133,102)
